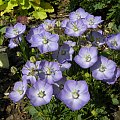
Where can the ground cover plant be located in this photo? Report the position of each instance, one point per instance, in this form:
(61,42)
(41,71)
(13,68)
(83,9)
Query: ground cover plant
(66,70)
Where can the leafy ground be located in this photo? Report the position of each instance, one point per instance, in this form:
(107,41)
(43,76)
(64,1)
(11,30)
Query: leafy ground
(9,110)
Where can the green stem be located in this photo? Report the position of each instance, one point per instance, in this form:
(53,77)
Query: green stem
(88,118)
(23,53)
(24,49)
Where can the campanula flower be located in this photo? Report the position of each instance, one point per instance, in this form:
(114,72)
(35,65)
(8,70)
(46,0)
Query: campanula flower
(114,78)
(50,72)
(76,28)
(75,94)
(45,42)
(34,31)
(103,69)
(15,31)
(30,71)
(86,57)
(96,38)
(92,21)
(40,93)
(58,86)
(64,53)
(78,14)
(49,25)
(14,42)
(19,91)
(113,41)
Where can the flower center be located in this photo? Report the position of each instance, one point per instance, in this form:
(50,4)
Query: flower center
(41,94)
(49,27)
(63,52)
(97,39)
(48,72)
(16,41)
(61,86)
(45,41)
(102,68)
(88,58)
(20,91)
(91,21)
(75,28)
(75,94)
(114,43)
(16,32)
(32,72)
(78,15)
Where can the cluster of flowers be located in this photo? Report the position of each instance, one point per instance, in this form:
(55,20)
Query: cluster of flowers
(45,78)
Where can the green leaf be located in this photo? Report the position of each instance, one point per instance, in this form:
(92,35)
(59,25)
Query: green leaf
(1,37)
(25,4)
(94,113)
(79,117)
(1,2)
(115,101)
(47,7)
(4,63)
(34,5)
(3,29)
(39,14)
(3,7)
(32,111)
(99,6)
(87,75)
(111,24)
(35,1)
(11,4)
(2,49)
(104,118)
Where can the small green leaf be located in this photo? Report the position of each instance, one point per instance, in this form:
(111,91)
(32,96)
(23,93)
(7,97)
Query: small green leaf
(115,101)
(35,1)
(94,113)
(32,111)
(1,39)
(3,29)
(1,2)
(39,14)
(34,5)
(104,118)
(79,117)
(13,70)
(4,63)
(111,24)
(99,6)
(25,4)
(3,7)
(47,7)
(11,4)
(87,75)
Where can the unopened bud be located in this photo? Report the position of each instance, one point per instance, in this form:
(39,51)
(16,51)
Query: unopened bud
(19,54)
(13,70)
(32,59)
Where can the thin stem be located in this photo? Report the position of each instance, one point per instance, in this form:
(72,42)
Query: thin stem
(88,118)
(24,47)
